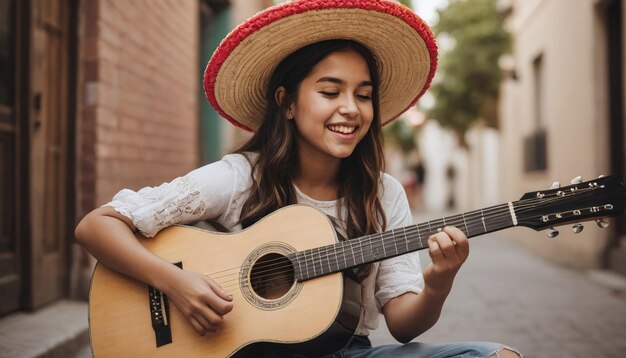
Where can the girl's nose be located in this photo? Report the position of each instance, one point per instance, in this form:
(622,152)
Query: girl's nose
(349,108)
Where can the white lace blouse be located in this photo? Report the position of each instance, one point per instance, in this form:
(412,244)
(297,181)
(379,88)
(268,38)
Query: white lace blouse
(217,191)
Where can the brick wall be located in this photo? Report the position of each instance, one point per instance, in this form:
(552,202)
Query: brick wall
(139,93)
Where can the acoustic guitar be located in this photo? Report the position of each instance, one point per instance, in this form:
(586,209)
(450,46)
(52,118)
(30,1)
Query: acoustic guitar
(287,274)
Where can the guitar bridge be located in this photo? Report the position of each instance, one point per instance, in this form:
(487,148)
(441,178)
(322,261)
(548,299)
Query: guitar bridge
(159,314)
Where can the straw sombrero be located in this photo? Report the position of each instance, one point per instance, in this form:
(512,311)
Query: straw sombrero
(238,73)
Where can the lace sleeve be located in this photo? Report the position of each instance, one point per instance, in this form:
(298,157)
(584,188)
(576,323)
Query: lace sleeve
(204,193)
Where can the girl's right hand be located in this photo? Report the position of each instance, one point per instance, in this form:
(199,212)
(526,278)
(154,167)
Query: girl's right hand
(202,301)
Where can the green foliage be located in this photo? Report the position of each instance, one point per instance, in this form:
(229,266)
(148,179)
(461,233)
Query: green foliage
(401,135)
(406,3)
(468,78)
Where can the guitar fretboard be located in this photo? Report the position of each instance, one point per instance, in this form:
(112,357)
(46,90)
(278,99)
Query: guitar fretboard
(371,248)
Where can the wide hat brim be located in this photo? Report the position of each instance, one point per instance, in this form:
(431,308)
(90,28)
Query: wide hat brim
(239,71)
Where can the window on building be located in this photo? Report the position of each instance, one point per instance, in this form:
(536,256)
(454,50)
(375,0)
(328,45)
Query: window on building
(535,144)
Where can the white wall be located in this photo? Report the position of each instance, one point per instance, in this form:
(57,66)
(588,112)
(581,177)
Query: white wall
(565,33)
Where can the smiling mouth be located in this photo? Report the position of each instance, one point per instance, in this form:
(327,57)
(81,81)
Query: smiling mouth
(342,129)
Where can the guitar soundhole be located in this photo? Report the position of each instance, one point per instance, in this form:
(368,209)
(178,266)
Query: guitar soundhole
(272,276)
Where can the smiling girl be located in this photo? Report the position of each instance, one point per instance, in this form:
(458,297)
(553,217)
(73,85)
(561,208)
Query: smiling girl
(315,81)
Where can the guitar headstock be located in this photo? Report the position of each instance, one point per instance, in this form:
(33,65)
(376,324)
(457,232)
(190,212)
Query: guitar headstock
(584,201)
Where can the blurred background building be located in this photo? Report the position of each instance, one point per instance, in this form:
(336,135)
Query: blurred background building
(562,114)
(99,95)
(559,114)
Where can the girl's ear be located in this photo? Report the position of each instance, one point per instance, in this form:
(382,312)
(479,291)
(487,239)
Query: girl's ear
(279,96)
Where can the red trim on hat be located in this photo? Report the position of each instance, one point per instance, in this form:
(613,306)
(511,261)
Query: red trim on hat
(278,12)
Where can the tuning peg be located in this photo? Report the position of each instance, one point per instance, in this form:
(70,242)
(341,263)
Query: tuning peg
(577,228)
(602,223)
(577,180)
(552,233)
(555,185)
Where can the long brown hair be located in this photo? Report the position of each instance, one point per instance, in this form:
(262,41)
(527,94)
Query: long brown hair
(277,161)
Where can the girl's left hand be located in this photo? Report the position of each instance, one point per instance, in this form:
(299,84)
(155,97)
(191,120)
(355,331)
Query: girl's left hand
(448,250)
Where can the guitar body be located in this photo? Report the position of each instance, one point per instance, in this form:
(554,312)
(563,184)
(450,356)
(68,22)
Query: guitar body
(305,317)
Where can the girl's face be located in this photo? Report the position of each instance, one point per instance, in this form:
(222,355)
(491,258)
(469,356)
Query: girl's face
(334,110)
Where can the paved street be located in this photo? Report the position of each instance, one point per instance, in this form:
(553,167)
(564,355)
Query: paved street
(508,295)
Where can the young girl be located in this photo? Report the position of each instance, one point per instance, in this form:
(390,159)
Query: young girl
(315,81)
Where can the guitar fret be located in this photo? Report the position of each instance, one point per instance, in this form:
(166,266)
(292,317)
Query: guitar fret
(352,250)
(361,250)
(374,243)
(383,243)
(423,241)
(319,255)
(406,240)
(393,234)
(335,256)
(311,261)
(318,264)
(306,263)
(361,247)
(374,246)
(482,217)
(328,260)
(299,264)
(419,235)
(378,250)
(465,223)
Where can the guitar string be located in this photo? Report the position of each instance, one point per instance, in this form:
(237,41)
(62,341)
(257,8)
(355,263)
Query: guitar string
(502,209)
(451,220)
(496,220)
(272,269)
(364,240)
(360,249)
(277,275)
(289,268)
(266,271)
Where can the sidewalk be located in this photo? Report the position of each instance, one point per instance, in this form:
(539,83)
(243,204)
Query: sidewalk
(505,294)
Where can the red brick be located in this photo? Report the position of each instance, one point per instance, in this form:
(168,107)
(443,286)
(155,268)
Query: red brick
(106,151)
(143,130)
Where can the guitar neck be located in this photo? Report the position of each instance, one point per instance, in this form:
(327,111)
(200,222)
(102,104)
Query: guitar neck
(376,247)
